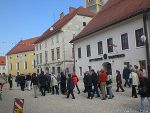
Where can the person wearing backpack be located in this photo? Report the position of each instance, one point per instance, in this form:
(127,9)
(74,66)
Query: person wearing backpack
(75,81)
(54,84)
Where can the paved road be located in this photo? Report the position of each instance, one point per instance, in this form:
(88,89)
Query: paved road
(122,103)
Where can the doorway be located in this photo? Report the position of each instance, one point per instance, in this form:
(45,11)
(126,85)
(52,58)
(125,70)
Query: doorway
(107,67)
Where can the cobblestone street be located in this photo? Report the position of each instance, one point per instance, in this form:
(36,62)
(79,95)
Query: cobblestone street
(122,103)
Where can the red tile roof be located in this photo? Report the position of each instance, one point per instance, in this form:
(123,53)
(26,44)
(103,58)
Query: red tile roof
(61,22)
(113,12)
(2,60)
(23,46)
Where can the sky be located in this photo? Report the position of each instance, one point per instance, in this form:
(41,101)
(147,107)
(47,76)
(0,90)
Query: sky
(24,19)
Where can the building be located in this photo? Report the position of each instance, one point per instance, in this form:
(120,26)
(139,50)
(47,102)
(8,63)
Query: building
(2,65)
(21,58)
(94,5)
(115,37)
(53,50)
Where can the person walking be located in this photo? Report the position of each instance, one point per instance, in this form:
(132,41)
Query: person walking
(35,84)
(88,84)
(59,80)
(144,91)
(54,84)
(103,79)
(75,81)
(42,82)
(2,82)
(28,79)
(119,81)
(135,82)
(63,83)
(17,80)
(48,84)
(70,87)
(22,82)
(10,80)
(109,86)
(94,82)
(126,74)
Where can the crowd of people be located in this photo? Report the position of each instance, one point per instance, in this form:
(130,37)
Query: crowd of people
(95,83)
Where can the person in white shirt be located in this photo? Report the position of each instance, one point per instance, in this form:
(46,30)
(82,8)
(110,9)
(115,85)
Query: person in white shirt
(135,82)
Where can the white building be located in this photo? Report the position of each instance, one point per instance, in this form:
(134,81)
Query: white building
(113,38)
(53,50)
(2,65)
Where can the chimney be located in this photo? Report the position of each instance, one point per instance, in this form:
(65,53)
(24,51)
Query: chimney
(71,9)
(62,15)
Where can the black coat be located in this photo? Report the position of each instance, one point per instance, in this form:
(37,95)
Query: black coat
(35,80)
(70,84)
(28,78)
(10,78)
(94,78)
(22,80)
(145,84)
(126,73)
(87,80)
(42,80)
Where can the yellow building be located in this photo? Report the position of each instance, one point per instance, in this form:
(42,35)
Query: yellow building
(21,58)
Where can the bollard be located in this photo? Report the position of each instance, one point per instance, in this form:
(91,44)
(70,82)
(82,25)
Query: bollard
(18,105)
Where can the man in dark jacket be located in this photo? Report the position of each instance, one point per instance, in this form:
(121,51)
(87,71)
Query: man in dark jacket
(28,78)
(126,74)
(144,88)
(94,81)
(70,86)
(63,83)
(35,84)
(42,81)
(88,84)
(22,82)
(48,87)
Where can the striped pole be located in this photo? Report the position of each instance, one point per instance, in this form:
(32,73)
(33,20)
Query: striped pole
(18,105)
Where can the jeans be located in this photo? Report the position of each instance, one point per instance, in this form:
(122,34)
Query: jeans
(142,103)
(55,88)
(77,88)
(110,92)
(127,82)
(70,92)
(134,94)
(96,90)
(10,84)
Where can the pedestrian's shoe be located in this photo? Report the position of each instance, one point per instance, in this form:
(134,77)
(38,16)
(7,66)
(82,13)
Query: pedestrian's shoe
(73,97)
(117,91)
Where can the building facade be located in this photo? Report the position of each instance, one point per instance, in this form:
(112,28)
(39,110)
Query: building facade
(118,44)
(2,65)
(21,58)
(53,50)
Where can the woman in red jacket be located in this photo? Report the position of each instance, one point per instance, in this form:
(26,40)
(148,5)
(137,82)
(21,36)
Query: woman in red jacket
(75,81)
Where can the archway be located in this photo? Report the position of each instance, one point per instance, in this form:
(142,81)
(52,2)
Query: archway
(107,67)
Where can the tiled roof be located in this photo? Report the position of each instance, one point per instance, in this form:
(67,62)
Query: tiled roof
(2,60)
(113,12)
(61,22)
(23,46)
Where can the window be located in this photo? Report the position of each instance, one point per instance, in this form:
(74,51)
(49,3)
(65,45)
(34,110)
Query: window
(88,50)
(52,51)
(58,69)
(84,23)
(34,64)
(110,45)
(17,67)
(58,53)
(37,58)
(25,65)
(52,41)
(11,66)
(142,64)
(124,41)
(40,58)
(79,52)
(80,71)
(138,34)
(46,56)
(100,48)
(37,47)
(53,70)
(3,67)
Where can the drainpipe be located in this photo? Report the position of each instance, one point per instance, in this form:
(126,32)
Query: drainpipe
(146,43)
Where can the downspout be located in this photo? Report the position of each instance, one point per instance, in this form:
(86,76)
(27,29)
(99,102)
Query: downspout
(146,43)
